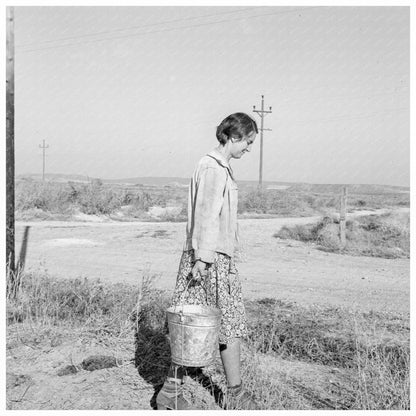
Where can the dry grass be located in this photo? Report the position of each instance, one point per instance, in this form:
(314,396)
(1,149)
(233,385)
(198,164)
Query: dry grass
(39,298)
(56,200)
(285,203)
(62,200)
(385,236)
(294,358)
(372,348)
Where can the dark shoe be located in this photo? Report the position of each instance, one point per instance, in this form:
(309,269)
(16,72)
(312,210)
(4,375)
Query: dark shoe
(170,397)
(238,398)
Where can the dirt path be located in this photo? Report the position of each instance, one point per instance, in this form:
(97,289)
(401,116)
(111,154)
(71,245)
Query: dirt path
(269,267)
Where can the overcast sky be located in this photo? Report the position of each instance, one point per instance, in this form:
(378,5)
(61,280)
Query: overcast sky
(122,92)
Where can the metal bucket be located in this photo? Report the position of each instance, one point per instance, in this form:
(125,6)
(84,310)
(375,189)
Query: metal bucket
(193,333)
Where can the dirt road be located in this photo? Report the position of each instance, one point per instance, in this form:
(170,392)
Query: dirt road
(269,267)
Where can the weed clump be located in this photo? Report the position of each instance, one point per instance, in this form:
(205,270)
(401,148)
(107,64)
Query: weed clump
(44,299)
(385,236)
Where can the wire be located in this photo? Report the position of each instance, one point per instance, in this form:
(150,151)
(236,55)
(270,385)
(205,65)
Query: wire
(351,97)
(137,27)
(168,30)
(353,117)
(319,88)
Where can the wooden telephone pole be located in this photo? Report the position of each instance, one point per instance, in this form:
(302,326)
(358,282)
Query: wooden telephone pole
(10,257)
(43,147)
(262,114)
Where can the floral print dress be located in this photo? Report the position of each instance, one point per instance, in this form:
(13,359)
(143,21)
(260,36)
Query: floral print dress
(221,288)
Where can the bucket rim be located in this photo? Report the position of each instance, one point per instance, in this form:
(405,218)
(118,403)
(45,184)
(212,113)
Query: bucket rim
(176,310)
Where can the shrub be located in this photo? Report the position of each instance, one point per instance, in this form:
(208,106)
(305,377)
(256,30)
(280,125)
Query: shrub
(381,236)
(284,203)
(51,197)
(253,201)
(297,232)
(328,236)
(95,198)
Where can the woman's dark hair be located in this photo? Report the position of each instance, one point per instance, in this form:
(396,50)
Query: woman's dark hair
(237,125)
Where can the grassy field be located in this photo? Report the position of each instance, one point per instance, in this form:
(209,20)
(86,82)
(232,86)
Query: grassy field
(65,200)
(294,358)
(385,235)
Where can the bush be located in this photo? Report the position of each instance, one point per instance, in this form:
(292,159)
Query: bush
(46,196)
(92,198)
(328,236)
(380,236)
(284,203)
(297,232)
(95,198)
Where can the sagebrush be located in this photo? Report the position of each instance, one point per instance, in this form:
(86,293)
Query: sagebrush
(386,235)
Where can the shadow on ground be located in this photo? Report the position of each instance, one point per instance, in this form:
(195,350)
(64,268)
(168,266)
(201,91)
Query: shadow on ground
(152,352)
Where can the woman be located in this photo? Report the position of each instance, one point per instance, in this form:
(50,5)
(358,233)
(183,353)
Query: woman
(211,234)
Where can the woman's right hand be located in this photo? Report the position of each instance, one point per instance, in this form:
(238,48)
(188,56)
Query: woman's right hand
(199,271)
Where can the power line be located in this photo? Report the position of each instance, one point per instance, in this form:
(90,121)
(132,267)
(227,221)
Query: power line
(319,88)
(353,117)
(170,29)
(138,27)
(352,97)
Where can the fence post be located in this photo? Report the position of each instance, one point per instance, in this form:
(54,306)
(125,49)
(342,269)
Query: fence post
(343,217)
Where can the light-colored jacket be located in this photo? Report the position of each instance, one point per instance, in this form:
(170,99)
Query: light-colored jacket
(212,209)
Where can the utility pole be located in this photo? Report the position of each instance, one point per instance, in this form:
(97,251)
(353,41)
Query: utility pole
(44,148)
(343,217)
(262,113)
(10,229)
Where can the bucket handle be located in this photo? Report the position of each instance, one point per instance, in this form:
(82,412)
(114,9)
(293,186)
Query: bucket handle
(182,302)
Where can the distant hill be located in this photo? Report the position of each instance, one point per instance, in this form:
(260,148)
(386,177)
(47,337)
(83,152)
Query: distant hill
(55,177)
(62,177)
(182,182)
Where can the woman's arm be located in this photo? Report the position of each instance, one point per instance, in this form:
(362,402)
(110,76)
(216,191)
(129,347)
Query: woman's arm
(208,203)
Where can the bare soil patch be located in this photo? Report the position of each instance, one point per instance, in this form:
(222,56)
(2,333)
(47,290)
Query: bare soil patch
(34,364)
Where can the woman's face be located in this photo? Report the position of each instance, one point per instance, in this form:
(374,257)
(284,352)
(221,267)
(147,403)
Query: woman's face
(239,148)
